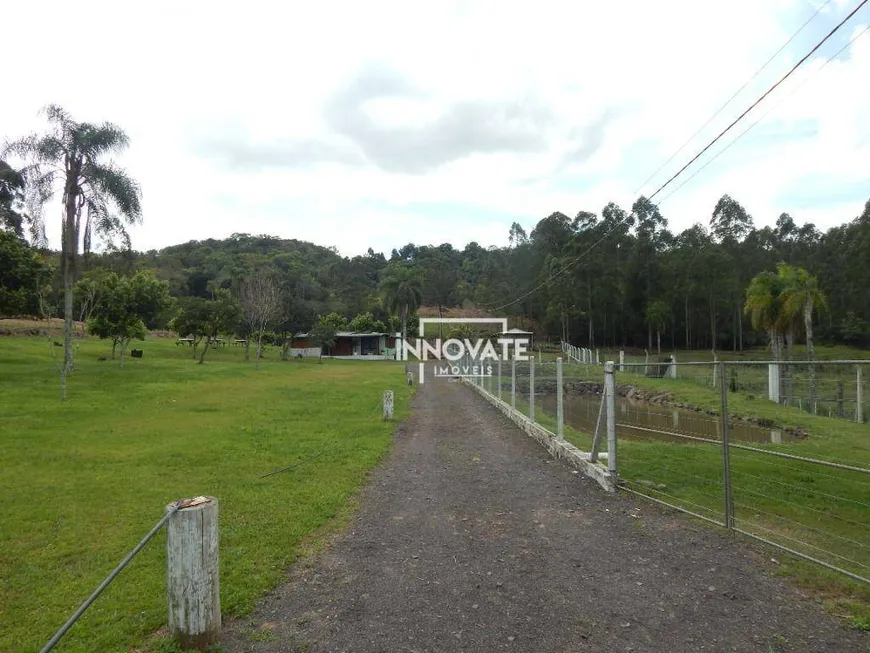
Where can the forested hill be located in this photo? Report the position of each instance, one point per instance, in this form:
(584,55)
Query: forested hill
(613,278)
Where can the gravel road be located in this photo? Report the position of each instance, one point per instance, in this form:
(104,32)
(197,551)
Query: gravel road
(470,538)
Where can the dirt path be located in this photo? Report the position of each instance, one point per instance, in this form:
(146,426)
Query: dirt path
(469,538)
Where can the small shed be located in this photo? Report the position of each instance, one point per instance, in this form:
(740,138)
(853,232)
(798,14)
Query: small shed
(519,334)
(348,344)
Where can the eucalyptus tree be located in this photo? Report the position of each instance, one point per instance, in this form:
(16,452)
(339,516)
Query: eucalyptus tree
(73,160)
(12,216)
(658,316)
(730,223)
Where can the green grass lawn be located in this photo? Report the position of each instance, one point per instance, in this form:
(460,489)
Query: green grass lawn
(82,481)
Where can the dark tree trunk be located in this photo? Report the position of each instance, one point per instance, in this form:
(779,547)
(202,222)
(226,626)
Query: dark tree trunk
(205,349)
(686,311)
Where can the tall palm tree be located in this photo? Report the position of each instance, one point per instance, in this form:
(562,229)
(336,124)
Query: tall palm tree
(763,306)
(801,296)
(70,158)
(403,292)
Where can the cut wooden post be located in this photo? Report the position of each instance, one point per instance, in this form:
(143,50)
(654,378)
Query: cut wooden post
(388,405)
(192,574)
(621,360)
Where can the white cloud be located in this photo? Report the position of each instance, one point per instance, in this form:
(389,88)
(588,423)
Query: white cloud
(206,90)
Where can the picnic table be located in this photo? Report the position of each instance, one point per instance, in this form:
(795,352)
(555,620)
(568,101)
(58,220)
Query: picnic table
(185,341)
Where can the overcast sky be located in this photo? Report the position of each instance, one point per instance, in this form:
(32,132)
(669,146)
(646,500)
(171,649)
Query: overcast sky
(376,124)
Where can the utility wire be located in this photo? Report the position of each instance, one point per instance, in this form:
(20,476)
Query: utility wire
(577,259)
(731,99)
(760,99)
(763,116)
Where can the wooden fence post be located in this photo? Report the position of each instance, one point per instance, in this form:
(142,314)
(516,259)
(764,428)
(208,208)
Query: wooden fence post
(388,405)
(192,574)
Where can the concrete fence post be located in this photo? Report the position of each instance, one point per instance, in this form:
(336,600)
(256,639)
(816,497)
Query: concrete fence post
(192,574)
(672,368)
(514,383)
(560,402)
(499,379)
(597,357)
(388,405)
(772,382)
(859,396)
(532,388)
(610,412)
(621,360)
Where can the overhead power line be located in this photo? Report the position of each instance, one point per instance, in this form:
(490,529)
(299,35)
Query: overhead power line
(763,95)
(763,116)
(736,93)
(579,257)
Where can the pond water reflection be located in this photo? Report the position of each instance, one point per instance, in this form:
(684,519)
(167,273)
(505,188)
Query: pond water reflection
(644,421)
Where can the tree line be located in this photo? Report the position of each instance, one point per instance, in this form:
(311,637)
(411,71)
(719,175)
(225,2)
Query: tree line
(614,278)
(620,279)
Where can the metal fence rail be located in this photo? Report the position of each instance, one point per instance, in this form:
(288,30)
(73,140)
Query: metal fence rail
(806,493)
(831,388)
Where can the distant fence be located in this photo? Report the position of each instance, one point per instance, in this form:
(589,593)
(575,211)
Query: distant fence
(807,494)
(831,388)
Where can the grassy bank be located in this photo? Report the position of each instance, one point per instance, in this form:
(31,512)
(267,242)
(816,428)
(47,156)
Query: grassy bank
(82,481)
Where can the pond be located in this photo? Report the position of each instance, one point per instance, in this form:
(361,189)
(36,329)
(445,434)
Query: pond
(640,420)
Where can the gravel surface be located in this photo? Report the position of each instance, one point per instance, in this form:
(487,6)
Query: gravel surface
(470,538)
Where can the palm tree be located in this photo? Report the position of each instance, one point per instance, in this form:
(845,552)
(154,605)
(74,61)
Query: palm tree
(402,292)
(763,306)
(70,158)
(800,297)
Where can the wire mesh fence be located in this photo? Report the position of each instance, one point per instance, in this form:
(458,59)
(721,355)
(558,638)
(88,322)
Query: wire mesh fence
(729,454)
(749,465)
(828,388)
